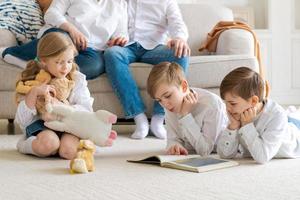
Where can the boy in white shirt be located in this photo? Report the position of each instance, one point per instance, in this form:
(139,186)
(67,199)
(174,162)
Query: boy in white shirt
(194,117)
(157,33)
(258,127)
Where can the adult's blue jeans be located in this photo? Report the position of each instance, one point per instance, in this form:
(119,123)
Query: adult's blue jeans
(294,121)
(90,61)
(117,60)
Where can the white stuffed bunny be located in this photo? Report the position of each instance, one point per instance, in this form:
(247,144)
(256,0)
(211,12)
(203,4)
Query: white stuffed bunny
(95,126)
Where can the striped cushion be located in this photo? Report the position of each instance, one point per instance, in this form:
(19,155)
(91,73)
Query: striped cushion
(22,17)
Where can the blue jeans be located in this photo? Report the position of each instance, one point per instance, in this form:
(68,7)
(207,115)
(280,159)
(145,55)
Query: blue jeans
(294,121)
(90,61)
(117,60)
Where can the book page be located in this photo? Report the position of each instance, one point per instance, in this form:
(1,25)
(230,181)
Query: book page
(172,158)
(200,162)
(158,159)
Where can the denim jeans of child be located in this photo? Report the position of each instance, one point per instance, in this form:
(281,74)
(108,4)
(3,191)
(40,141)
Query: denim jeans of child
(90,61)
(117,60)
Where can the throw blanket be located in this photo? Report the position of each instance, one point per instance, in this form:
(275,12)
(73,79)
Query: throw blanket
(212,38)
(22,17)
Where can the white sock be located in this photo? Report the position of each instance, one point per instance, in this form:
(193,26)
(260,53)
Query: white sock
(15,61)
(142,126)
(157,126)
(25,145)
(1,51)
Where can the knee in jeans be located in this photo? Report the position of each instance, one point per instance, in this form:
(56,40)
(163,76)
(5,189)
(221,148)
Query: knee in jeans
(114,51)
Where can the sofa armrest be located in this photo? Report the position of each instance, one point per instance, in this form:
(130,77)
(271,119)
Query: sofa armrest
(235,41)
(8,39)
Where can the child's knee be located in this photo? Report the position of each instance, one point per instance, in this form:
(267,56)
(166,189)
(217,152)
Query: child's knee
(46,143)
(68,147)
(67,152)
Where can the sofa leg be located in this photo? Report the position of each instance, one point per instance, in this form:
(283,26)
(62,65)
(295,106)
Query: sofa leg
(10,121)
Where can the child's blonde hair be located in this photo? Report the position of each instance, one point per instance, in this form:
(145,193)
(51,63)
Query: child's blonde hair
(165,72)
(245,83)
(50,45)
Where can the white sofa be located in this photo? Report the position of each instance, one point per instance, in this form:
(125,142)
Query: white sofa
(235,48)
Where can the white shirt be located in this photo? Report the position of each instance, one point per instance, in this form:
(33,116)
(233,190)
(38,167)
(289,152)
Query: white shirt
(79,98)
(152,22)
(97,20)
(199,130)
(269,135)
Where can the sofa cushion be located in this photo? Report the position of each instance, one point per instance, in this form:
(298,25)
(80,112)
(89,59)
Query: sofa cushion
(204,72)
(235,41)
(22,17)
(7,38)
(9,75)
(200,19)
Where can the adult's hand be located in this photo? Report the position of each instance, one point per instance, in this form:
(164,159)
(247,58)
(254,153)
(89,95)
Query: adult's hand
(180,47)
(118,41)
(78,38)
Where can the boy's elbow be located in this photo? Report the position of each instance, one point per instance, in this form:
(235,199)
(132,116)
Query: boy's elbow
(225,156)
(204,150)
(262,160)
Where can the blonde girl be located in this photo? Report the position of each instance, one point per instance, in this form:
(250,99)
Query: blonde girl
(55,54)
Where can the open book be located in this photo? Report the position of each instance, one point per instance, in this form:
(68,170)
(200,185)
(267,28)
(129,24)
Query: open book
(194,163)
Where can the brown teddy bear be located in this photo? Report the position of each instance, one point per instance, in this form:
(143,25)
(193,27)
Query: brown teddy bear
(63,88)
(84,161)
(43,77)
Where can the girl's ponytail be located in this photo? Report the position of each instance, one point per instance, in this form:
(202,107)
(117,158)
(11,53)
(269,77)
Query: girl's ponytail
(30,72)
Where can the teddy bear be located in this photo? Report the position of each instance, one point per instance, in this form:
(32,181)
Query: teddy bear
(43,77)
(63,88)
(84,160)
(95,126)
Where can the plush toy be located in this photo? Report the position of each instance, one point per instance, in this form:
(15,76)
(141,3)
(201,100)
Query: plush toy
(43,77)
(95,126)
(84,161)
(63,88)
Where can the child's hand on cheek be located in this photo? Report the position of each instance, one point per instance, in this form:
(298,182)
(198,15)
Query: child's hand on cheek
(248,116)
(189,101)
(234,124)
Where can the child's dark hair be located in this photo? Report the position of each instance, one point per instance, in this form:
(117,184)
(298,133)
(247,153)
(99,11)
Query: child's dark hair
(164,72)
(245,83)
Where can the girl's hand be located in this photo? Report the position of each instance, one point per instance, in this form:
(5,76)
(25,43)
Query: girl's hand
(180,47)
(177,149)
(248,116)
(233,123)
(118,41)
(189,101)
(41,90)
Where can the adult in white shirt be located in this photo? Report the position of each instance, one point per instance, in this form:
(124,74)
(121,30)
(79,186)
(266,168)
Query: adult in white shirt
(90,24)
(259,127)
(157,33)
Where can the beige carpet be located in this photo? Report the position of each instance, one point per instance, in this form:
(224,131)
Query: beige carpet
(27,177)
